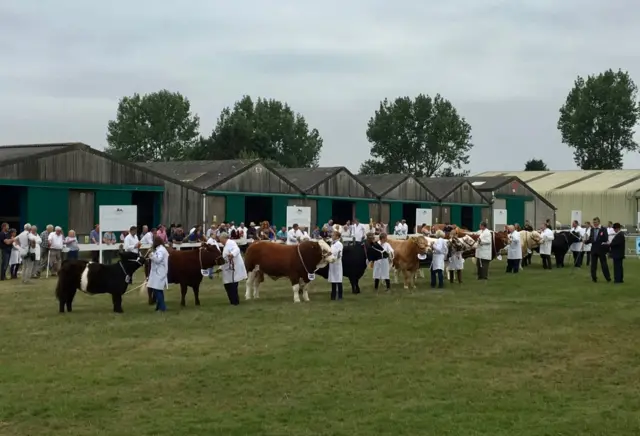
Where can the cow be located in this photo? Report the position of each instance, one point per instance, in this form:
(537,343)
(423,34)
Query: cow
(396,244)
(530,240)
(95,278)
(561,243)
(406,258)
(186,269)
(355,259)
(297,262)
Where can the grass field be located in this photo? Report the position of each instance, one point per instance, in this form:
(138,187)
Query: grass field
(540,353)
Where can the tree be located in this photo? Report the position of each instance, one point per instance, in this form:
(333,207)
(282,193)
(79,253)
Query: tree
(417,137)
(153,127)
(598,118)
(535,165)
(268,130)
(449,172)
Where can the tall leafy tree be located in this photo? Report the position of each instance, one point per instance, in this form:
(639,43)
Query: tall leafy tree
(598,118)
(449,172)
(417,136)
(268,129)
(153,127)
(535,165)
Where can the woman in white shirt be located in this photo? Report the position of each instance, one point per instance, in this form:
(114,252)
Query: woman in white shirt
(381,266)
(335,268)
(14,259)
(545,246)
(233,270)
(71,242)
(157,281)
(440,252)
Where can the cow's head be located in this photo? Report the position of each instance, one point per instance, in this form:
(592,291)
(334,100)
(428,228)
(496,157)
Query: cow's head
(374,251)
(321,247)
(421,243)
(210,255)
(128,256)
(535,236)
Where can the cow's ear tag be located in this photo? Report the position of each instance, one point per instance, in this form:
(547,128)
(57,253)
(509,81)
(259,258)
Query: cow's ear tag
(422,256)
(204,272)
(499,257)
(127,279)
(529,251)
(311,276)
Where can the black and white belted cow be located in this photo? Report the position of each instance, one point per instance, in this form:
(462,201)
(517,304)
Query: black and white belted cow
(95,278)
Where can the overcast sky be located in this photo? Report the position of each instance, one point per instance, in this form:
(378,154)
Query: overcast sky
(506,65)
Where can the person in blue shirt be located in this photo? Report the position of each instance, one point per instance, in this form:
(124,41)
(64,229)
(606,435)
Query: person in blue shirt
(196,235)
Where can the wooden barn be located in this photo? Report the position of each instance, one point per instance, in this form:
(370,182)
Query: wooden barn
(520,201)
(333,193)
(64,184)
(400,196)
(236,190)
(459,202)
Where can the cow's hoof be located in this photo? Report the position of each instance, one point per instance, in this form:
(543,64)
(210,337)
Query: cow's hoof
(406,287)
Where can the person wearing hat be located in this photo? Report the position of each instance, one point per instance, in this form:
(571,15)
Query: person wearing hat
(157,281)
(437,263)
(484,252)
(233,270)
(616,250)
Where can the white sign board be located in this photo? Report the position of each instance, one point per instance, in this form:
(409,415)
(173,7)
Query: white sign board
(116,218)
(499,219)
(576,215)
(299,215)
(423,216)
(638,221)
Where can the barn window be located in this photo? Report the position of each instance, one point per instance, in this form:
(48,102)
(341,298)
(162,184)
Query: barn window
(81,211)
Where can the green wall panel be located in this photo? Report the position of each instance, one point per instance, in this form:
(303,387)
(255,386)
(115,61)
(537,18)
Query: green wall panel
(323,211)
(455,215)
(279,211)
(157,209)
(515,210)
(395,214)
(477,217)
(48,206)
(362,211)
(235,208)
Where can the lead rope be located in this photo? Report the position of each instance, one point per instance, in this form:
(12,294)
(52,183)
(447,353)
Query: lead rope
(303,265)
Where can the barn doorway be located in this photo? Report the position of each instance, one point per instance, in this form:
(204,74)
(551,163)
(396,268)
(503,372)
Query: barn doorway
(146,202)
(342,211)
(409,215)
(466,218)
(10,206)
(257,209)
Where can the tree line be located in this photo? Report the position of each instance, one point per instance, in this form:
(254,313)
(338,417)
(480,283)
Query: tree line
(424,136)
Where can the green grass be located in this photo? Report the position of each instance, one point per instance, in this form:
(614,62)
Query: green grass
(540,353)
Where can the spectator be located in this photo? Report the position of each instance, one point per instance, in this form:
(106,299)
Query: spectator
(71,242)
(56,243)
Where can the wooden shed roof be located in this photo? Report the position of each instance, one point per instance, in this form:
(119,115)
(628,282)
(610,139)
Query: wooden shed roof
(382,183)
(13,154)
(307,179)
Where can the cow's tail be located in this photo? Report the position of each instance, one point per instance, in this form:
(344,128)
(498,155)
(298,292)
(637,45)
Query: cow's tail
(59,287)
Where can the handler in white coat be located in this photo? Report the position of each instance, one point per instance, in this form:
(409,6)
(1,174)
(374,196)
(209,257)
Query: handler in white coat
(576,247)
(381,266)
(545,246)
(335,268)
(233,270)
(157,281)
(294,235)
(484,252)
(514,250)
(440,252)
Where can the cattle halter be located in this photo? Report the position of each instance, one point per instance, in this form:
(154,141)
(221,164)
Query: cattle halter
(310,276)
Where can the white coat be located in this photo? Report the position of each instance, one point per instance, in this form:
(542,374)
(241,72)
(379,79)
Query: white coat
(159,269)
(586,247)
(440,251)
(335,268)
(292,236)
(577,246)
(358,232)
(611,234)
(547,239)
(485,241)
(514,251)
(130,243)
(456,261)
(38,241)
(232,271)
(381,266)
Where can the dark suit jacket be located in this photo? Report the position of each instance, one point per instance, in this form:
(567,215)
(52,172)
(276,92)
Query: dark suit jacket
(617,246)
(601,237)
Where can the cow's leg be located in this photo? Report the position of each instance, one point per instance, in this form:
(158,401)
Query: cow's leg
(256,284)
(116,298)
(296,291)
(305,290)
(196,293)
(251,276)
(395,276)
(61,303)
(421,273)
(405,275)
(355,284)
(69,302)
(183,294)
(413,280)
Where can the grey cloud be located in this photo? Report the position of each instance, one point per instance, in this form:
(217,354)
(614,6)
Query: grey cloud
(507,66)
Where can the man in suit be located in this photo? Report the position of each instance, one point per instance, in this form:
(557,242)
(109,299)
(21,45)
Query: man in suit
(599,250)
(617,248)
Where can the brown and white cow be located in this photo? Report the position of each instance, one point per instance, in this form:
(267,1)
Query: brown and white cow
(529,241)
(296,262)
(406,260)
